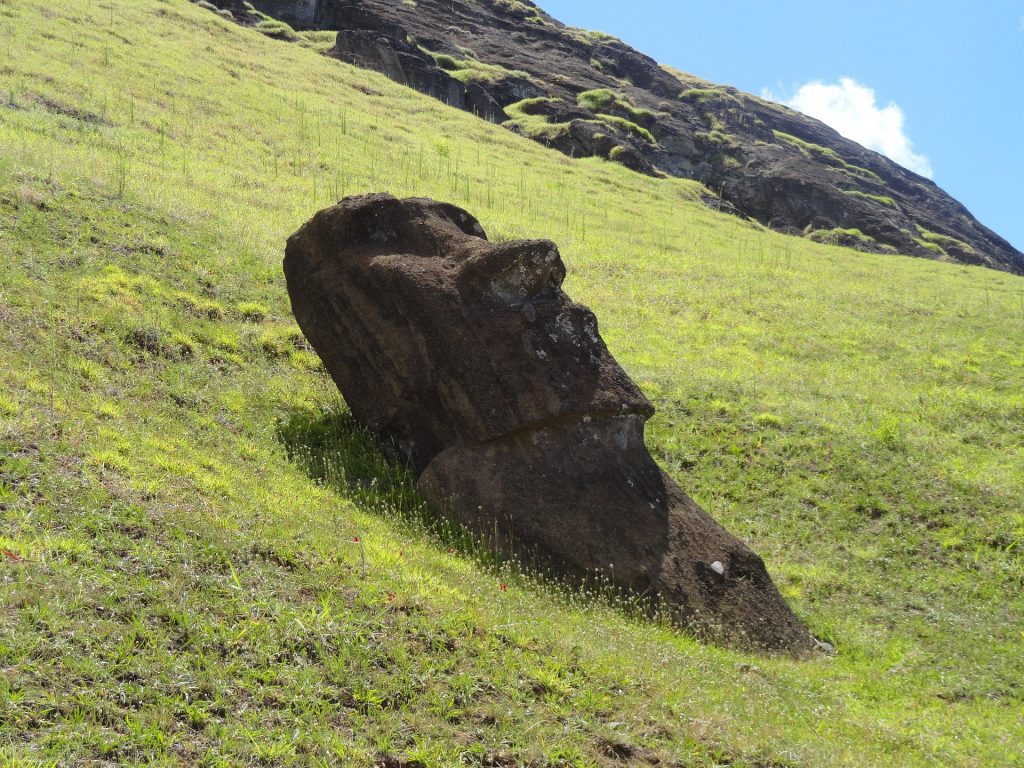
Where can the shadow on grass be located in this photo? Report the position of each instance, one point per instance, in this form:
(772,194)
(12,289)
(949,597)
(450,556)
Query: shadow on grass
(337,452)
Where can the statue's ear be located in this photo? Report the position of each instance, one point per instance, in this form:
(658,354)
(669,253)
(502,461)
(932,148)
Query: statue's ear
(514,272)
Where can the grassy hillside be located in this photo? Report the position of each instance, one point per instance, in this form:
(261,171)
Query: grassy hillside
(203,561)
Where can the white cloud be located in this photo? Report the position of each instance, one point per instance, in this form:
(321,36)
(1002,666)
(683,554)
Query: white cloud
(850,108)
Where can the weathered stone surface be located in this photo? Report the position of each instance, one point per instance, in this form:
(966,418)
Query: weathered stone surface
(499,391)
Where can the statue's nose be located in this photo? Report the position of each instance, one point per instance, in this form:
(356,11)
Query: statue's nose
(515,272)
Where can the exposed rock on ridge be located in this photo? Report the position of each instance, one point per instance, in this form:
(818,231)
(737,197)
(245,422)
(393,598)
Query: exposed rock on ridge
(587,94)
(499,391)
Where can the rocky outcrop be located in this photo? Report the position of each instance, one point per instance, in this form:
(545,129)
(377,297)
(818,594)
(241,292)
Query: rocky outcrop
(588,94)
(406,64)
(499,392)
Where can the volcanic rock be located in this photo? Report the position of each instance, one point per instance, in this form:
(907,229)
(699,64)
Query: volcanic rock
(498,390)
(592,95)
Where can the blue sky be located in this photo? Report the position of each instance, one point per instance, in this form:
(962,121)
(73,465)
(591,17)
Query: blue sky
(938,86)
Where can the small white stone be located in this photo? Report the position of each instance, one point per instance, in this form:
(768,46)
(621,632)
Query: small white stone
(717,567)
(824,647)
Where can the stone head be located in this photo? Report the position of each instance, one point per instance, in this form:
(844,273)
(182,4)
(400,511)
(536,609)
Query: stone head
(437,336)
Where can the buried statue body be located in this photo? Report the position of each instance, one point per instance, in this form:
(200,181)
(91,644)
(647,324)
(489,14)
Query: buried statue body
(499,392)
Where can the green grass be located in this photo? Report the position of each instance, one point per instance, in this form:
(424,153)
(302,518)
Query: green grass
(524,117)
(320,40)
(833,236)
(942,241)
(628,126)
(278,30)
(702,95)
(602,100)
(592,37)
(719,137)
(617,152)
(470,70)
(204,562)
(529,107)
(525,11)
(830,156)
(935,248)
(883,199)
(688,80)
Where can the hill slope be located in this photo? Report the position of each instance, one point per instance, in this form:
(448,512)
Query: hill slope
(589,94)
(203,562)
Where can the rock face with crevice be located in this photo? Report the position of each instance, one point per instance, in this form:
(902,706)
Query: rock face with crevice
(498,390)
(589,94)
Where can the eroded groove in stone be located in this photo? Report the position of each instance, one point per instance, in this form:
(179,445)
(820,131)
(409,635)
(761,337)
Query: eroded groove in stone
(500,392)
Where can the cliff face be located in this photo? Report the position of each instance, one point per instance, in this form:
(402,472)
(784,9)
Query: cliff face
(588,94)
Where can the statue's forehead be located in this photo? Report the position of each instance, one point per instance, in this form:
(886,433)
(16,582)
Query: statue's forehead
(417,227)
